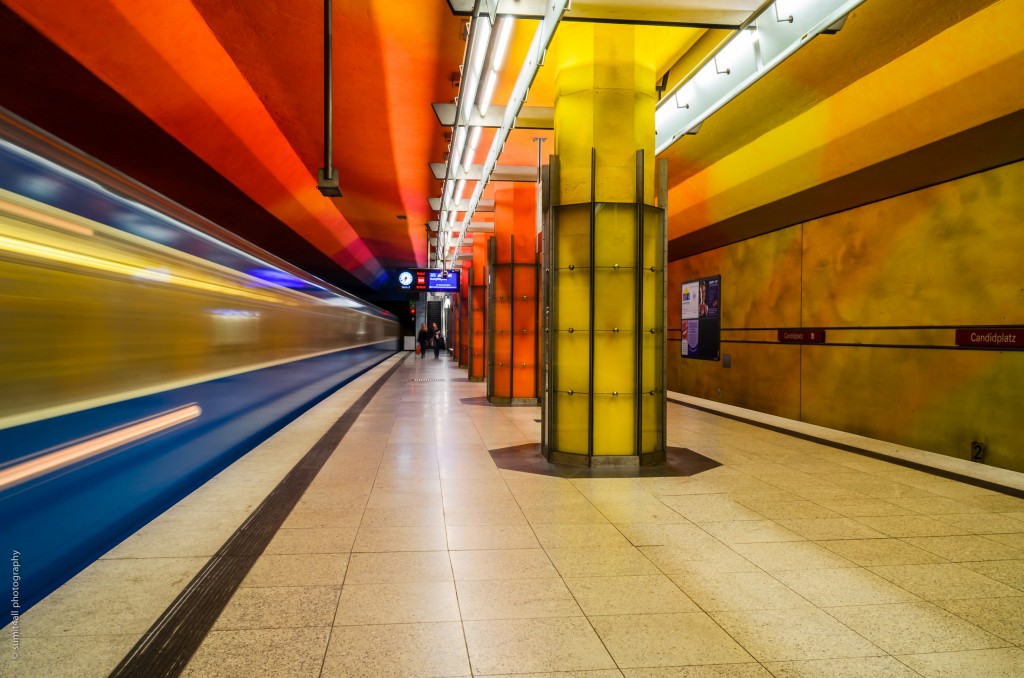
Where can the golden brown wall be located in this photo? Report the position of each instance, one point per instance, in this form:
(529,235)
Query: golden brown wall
(889,281)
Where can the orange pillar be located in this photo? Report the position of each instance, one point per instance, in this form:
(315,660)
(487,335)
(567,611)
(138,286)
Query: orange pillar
(463,342)
(478,310)
(513,328)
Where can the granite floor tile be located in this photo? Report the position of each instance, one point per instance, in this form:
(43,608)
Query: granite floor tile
(794,634)
(481,516)
(715,557)
(944,581)
(966,548)
(277,607)
(606,673)
(724,591)
(600,562)
(911,628)
(854,508)
(433,649)
(846,586)
(830,528)
(859,667)
(1014,540)
(111,597)
(515,599)
(984,523)
(400,538)
(791,556)
(579,535)
(399,566)
(657,513)
(65,656)
(654,594)
(323,518)
(710,508)
(677,534)
(314,569)
(312,540)
(260,653)
(397,603)
(999,616)
(1002,663)
(874,552)
(911,526)
(788,510)
(750,531)
(750,670)
(475,537)
(535,646)
(1010,572)
(402,517)
(502,564)
(654,640)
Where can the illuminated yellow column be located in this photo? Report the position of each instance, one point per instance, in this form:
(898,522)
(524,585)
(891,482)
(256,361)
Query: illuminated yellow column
(605,398)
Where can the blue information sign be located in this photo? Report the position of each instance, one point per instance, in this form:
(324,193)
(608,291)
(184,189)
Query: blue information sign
(429,280)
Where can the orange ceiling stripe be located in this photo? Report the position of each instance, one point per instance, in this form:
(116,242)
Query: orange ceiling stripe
(163,58)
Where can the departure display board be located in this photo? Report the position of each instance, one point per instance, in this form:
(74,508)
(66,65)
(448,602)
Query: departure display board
(701,318)
(429,280)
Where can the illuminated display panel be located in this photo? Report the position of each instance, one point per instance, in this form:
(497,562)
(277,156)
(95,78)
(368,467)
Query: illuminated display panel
(429,280)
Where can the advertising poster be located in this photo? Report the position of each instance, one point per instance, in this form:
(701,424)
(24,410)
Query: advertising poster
(701,318)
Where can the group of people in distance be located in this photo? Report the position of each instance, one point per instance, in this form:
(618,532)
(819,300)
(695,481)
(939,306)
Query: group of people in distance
(432,338)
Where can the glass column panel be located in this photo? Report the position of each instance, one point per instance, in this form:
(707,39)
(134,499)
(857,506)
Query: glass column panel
(572,292)
(614,424)
(616,234)
(501,339)
(573,235)
(573,423)
(572,369)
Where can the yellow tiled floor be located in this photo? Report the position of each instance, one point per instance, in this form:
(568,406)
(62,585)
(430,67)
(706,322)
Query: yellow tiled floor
(413,554)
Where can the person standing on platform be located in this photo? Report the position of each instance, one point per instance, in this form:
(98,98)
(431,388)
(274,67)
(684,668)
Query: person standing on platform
(437,341)
(423,338)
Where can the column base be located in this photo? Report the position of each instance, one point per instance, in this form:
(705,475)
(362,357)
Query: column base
(478,379)
(513,402)
(604,460)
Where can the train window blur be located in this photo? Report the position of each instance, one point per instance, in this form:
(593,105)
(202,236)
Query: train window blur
(96,312)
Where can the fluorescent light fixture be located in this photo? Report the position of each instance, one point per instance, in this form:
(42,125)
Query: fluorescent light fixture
(488,93)
(482,40)
(474,139)
(501,46)
(553,11)
(756,48)
(460,187)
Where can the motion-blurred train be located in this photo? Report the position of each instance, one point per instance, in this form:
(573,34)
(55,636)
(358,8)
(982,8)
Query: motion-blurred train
(142,350)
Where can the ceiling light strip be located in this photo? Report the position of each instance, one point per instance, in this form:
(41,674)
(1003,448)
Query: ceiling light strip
(463,106)
(553,12)
(777,31)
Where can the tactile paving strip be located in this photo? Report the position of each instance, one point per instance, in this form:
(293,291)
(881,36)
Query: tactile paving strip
(167,647)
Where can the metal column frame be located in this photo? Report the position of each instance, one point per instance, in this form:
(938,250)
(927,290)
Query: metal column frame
(592,329)
(492,283)
(512,320)
(638,296)
(472,324)
(661,185)
(549,411)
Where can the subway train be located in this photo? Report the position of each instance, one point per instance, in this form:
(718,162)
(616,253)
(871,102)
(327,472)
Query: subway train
(142,350)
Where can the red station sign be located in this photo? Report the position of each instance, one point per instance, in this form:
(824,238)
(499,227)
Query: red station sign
(987,337)
(815,336)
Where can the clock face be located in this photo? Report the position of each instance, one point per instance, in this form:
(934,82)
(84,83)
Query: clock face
(405,278)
